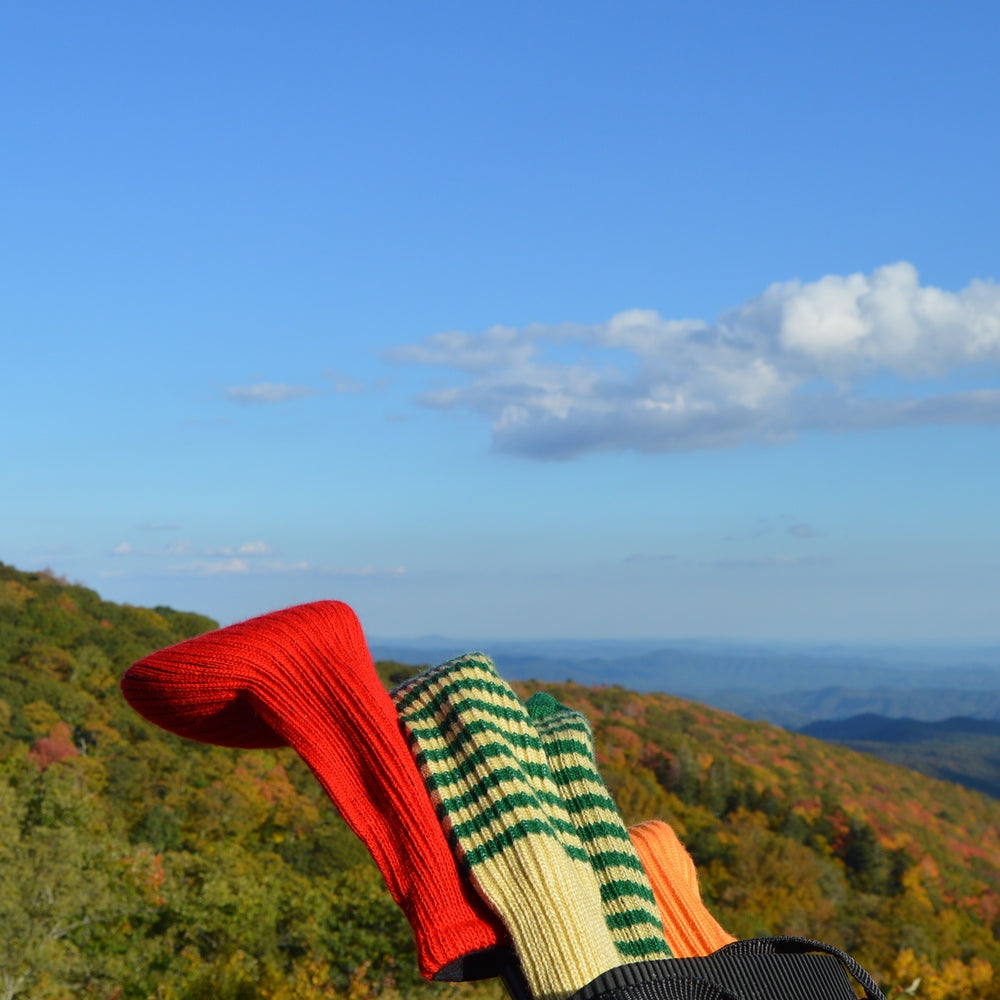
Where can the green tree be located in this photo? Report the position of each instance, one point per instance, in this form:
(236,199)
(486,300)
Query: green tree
(60,888)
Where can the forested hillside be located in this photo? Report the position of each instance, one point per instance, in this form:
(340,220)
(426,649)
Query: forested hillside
(797,709)
(963,750)
(139,865)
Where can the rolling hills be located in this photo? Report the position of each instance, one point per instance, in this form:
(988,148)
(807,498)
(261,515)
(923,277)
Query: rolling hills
(961,749)
(140,865)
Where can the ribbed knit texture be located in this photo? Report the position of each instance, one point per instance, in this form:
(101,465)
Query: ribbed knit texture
(304,677)
(689,928)
(629,905)
(486,771)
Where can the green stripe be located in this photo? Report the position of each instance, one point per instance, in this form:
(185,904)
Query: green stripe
(483,799)
(509,837)
(478,758)
(603,860)
(410,691)
(572,769)
(568,748)
(478,674)
(449,724)
(631,918)
(496,780)
(567,719)
(601,828)
(506,817)
(465,734)
(466,769)
(586,801)
(476,785)
(442,703)
(462,734)
(619,888)
(499,810)
(643,948)
(576,732)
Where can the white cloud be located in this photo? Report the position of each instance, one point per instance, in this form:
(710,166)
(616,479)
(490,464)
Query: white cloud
(222,566)
(344,384)
(275,566)
(254,549)
(218,567)
(366,571)
(842,353)
(179,548)
(253,558)
(251,549)
(267,392)
(498,347)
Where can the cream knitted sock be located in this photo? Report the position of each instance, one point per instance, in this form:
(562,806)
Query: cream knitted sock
(488,776)
(629,905)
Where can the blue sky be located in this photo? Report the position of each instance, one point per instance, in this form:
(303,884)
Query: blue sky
(510,320)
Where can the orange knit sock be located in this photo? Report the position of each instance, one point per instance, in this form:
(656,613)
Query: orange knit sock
(690,929)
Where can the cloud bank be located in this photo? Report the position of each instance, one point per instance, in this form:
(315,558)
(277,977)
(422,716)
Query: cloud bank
(267,392)
(248,558)
(843,353)
(246,549)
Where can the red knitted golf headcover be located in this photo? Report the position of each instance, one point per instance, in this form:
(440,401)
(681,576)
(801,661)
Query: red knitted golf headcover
(304,677)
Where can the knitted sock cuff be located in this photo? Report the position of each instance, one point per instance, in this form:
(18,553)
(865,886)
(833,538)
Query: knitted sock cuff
(630,908)
(688,925)
(304,676)
(486,771)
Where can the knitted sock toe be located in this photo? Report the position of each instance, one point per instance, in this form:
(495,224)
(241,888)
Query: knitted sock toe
(629,905)
(486,772)
(691,930)
(304,677)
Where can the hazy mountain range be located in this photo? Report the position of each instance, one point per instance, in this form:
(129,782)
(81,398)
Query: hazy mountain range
(934,709)
(963,750)
(789,685)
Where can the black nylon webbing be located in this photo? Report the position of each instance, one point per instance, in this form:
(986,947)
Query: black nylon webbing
(756,969)
(788,944)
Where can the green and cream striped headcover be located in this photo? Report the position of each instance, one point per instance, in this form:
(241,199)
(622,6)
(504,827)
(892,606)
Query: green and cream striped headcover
(488,773)
(629,904)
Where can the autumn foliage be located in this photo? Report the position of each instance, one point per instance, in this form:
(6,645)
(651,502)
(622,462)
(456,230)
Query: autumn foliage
(138,865)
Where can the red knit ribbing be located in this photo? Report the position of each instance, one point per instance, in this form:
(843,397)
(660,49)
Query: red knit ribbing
(304,677)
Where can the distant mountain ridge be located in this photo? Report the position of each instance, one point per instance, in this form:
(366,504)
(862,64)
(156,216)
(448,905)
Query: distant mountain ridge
(786,688)
(794,709)
(960,749)
(879,729)
(907,657)
(681,671)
